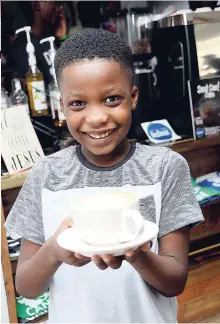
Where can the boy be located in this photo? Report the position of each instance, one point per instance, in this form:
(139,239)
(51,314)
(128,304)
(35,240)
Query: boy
(95,76)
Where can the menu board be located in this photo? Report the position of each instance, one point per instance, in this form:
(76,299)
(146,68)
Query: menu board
(21,148)
(205,106)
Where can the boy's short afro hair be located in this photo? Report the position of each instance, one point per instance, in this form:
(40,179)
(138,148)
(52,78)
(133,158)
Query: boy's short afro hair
(91,44)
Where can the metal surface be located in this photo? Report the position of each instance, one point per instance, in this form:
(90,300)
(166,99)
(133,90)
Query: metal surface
(207,38)
(189,18)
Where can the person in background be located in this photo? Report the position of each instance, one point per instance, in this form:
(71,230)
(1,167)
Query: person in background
(95,74)
(46,18)
(89,14)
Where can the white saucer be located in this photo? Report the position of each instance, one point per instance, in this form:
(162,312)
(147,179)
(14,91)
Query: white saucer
(69,240)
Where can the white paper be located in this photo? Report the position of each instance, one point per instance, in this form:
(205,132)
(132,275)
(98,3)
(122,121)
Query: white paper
(21,148)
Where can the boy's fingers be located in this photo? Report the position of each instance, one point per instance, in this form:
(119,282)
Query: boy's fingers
(147,246)
(82,257)
(131,256)
(67,223)
(111,261)
(99,262)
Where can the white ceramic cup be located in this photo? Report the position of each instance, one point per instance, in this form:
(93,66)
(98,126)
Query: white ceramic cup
(107,219)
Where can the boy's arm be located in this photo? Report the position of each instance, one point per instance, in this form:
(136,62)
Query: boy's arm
(37,264)
(35,269)
(167,271)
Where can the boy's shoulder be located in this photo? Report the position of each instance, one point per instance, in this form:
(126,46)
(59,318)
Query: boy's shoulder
(57,163)
(62,154)
(156,154)
(61,157)
(158,159)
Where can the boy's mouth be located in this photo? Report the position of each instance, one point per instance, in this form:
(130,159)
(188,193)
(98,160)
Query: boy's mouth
(99,135)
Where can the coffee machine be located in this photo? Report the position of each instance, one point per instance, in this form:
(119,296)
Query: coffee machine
(137,30)
(168,52)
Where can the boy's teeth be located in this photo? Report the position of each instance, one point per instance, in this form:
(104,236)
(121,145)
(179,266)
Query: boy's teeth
(99,135)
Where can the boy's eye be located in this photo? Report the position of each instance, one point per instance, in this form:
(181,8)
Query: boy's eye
(77,103)
(113,99)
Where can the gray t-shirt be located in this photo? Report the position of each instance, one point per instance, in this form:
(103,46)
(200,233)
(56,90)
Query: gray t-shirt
(161,178)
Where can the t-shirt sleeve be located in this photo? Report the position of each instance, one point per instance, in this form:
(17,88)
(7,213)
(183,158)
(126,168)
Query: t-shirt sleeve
(25,217)
(179,206)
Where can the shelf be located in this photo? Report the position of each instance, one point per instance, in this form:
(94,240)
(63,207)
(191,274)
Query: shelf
(40,319)
(194,145)
(14,181)
(211,203)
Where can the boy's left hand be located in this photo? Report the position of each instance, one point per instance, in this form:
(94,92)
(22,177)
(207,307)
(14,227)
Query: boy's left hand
(109,261)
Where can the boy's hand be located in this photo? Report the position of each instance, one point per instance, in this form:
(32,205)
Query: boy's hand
(105,261)
(131,256)
(61,255)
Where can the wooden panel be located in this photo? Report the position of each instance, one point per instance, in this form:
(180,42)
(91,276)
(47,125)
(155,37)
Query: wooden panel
(7,273)
(14,181)
(201,297)
(211,224)
(195,145)
(203,161)
(8,199)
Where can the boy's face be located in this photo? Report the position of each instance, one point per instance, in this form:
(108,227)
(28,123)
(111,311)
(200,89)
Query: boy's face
(97,99)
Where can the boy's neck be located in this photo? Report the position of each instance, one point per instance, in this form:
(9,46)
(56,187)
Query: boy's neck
(119,153)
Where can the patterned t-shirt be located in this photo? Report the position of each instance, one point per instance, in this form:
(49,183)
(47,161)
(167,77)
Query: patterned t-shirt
(159,176)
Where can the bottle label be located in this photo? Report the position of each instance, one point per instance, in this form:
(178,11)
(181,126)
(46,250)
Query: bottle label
(54,102)
(55,105)
(61,115)
(39,95)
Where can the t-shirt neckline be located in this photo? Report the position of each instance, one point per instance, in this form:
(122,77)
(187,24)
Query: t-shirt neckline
(94,167)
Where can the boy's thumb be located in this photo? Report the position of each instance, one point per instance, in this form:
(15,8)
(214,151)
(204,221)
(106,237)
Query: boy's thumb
(67,223)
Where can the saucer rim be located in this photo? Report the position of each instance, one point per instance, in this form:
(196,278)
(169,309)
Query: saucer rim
(92,249)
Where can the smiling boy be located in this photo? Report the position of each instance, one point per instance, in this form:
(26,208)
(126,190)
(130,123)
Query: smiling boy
(95,75)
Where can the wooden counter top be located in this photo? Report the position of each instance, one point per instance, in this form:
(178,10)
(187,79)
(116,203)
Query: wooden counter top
(14,181)
(193,145)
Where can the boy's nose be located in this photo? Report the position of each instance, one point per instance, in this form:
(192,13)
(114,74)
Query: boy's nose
(96,118)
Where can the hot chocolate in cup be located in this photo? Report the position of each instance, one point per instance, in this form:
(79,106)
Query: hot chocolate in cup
(108,218)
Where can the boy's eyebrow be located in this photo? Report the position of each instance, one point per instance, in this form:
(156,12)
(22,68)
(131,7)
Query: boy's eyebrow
(107,90)
(114,89)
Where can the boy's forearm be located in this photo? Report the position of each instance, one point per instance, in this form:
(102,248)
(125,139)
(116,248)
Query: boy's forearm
(164,273)
(33,276)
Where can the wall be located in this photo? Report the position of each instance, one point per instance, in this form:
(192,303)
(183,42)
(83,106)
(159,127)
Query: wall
(159,6)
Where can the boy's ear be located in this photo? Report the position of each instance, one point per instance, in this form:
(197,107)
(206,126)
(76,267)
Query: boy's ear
(134,97)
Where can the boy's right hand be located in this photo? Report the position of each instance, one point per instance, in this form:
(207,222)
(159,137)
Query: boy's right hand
(60,255)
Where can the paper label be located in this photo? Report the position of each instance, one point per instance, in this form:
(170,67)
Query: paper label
(21,148)
(39,95)
(55,105)
(159,131)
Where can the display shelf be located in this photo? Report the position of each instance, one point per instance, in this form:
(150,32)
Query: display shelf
(211,203)
(41,319)
(14,181)
(193,145)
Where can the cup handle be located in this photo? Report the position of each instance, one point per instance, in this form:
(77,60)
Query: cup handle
(138,222)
